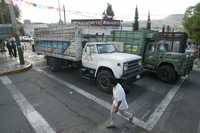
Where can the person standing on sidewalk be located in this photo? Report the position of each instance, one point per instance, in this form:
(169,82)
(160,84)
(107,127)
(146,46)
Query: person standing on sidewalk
(14,48)
(9,47)
(119,103)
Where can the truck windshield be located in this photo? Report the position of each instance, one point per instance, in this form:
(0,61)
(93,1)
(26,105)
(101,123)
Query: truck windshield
(106,48)
(169,46)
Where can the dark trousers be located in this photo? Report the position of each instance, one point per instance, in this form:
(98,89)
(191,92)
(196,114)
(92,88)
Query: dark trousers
(10,52)
(14,52)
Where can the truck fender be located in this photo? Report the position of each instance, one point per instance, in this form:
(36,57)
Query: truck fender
(165,63)
(115,72)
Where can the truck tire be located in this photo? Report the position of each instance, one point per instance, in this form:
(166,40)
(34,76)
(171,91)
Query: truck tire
(103,80)
(54,64)
(167,74)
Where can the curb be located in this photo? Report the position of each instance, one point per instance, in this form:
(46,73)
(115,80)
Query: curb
(196,69)
(18,70)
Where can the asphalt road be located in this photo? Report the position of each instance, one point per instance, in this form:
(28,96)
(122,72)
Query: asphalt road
(142,97)
(66,110)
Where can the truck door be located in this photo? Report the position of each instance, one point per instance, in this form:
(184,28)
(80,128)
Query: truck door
(150,56)
(89,58)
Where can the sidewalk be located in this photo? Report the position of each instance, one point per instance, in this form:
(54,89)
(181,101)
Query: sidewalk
(196,65)
(9,65)
(34,59)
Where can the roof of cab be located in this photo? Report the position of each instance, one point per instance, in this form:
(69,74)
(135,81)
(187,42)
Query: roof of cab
(92,43)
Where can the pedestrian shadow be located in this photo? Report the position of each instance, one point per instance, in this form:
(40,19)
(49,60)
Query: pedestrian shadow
(121,126)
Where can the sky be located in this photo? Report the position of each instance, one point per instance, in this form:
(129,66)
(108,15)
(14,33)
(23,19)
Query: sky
(93,9)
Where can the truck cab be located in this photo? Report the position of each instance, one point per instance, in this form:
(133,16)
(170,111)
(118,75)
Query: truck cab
(103,62)
(166,60)
(162,53)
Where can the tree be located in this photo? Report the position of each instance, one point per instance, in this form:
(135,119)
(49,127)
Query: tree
(168,28)
(136,23)
(104,15)
(21,31)
(191,22)
(109,13)
(4,13)
(149,22)
(163,28)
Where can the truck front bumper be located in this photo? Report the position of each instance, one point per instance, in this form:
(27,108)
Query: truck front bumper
(186,68)
(131,77)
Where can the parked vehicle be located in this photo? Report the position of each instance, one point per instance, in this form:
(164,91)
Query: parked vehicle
(26,38)
(66,46)
(162,53)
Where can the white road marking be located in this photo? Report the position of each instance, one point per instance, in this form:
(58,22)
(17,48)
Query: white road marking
(39,124)
(101,102)
(154,117)
(146,114)
(198,129)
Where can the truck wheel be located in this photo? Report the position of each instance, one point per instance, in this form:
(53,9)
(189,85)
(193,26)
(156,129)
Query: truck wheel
(167,74)
(103,80)
(54,64)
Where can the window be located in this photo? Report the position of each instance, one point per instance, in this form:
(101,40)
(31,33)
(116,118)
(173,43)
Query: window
(176,46)
(151,48)
(164,46)
(93,49)
(169,46)
(106,48)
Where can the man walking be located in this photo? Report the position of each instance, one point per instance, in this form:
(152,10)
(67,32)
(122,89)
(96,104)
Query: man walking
(119,103)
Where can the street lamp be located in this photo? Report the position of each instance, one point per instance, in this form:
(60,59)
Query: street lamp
(16,32)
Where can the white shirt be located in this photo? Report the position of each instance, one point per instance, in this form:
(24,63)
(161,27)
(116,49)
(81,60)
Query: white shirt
(119,95)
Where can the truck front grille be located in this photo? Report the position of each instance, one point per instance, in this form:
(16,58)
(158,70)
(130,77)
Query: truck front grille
(133,66)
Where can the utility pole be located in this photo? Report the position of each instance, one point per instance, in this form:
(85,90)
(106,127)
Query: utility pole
(16,32)
(64,14)
(60,21)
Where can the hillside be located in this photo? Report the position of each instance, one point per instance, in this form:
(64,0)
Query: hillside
(174,20)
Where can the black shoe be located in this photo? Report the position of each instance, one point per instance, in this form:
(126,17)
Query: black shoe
(111,125)
(131,118)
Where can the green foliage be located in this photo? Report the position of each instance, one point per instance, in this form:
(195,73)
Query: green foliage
(136,23)
(149,22)
(192,22)
(4,13)
(109,13)
(17,11)
(21,29)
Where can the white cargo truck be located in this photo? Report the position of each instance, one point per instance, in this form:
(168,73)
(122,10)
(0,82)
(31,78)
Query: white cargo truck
(65,46)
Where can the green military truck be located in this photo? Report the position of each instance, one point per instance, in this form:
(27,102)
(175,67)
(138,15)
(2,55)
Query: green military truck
(162,53)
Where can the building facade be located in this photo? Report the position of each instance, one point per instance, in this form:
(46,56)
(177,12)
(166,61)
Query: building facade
(29,27)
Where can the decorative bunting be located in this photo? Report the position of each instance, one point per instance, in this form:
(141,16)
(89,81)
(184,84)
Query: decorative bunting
(50,7)
(37,5)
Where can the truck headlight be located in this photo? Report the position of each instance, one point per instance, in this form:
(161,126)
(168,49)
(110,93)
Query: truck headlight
(140,62)
(125,66)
